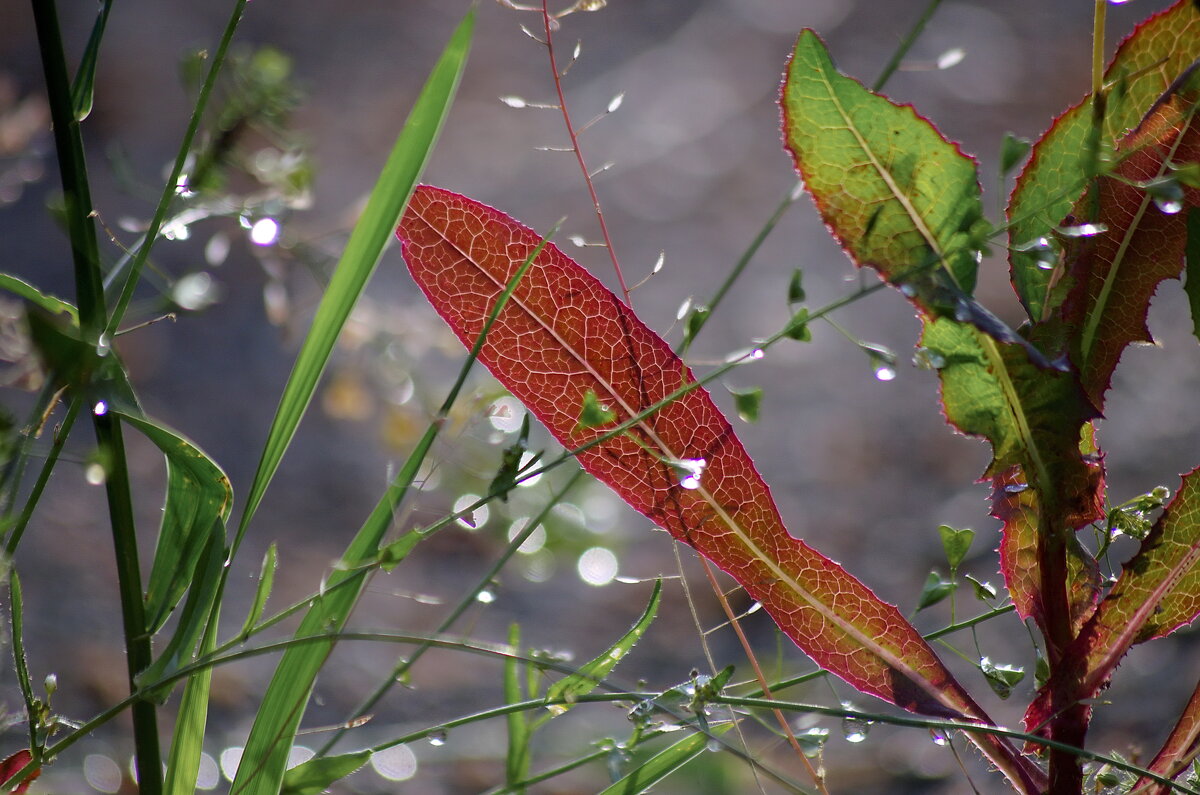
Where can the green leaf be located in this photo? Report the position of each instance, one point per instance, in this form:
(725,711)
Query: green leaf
(1001,678)
(1065,157)
(518,757)
(936,589)
(265,756)
(663,764)
(796,294)
(1012,151)
(592,673)
(83,88)
(593,413)
(798,326)
(374,228)
(317,774)
(956,543)
(748,402)
(50,303)
(510,463)
(199,501)
(266,579)
(984,591)
(896,194)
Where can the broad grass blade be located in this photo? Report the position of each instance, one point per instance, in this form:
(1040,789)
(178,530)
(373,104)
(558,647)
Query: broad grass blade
(663,764)
(387,201)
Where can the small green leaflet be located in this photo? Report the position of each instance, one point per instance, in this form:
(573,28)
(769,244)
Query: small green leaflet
(585,680)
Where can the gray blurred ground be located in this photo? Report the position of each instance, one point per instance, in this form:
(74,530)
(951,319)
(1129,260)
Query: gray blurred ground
(863,470)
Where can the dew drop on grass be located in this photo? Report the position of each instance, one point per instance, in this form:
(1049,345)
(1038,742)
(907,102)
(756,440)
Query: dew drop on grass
(690,471)
(951,57)
(855,730)
(1016,488)
(437,738)
(616,101)
(884,371)
(100,409)
(514,102)
(926,359)
(103,345)
(939,737)
(713,745)
(1082,230)
(486,596)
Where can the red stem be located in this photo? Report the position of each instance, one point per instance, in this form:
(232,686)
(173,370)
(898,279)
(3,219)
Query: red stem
(587,177)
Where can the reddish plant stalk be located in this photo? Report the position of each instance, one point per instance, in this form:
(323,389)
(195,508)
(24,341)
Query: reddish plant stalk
(587,177)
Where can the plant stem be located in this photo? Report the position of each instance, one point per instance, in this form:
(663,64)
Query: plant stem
(906,44)
(90,297)
(587,177)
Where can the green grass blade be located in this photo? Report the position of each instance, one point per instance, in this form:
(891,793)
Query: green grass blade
(183,761)
(663,764)
(516,762)
(50,303)
(316,775)
(83,88)
(265,756)
(387,202)
(266,580)
(585,681)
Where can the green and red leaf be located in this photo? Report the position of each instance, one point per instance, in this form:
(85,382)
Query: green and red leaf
(1158,592)
(1114,274)
(1068,154)
(562,335)
(14,764)
(896,194)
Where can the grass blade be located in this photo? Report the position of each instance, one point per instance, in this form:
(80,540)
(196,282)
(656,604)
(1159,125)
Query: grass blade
(388,200)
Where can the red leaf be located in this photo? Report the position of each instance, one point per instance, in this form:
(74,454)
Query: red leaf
(13,765)
(1117,271)
(1178,751)
(562,335)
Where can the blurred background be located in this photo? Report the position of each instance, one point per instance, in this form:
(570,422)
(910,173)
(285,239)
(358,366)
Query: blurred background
(865,470)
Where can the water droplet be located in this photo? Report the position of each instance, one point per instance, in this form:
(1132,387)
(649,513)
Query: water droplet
(757,354)
(176,229)
(616,101)
(812,740)
(264,232)
(885,372)
(855,729)
(1168,205)
(797,190)
(908,290)
(1044,254)
(1082,230)
(514,102)
(100,409)
(658,264)
(103,345)
(1016,488)
(486,596)
(684,308)
(437,738)
(952,57)
(962,311)
(926,359)
(939,737)
(713,745)
(95,474)
(689,471)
